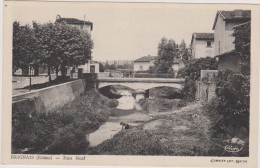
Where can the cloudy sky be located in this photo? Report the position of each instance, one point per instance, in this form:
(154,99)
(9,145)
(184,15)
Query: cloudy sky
(125,31)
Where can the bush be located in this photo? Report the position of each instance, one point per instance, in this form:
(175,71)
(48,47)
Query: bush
(69,140)
(62,130)
(191,73)
(113,103)
(233,93)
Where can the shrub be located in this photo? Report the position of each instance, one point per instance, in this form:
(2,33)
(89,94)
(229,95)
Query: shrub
(69,140)
(233,93)
(113,103)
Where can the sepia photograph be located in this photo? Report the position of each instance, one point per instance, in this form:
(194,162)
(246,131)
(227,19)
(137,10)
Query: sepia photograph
(130,79)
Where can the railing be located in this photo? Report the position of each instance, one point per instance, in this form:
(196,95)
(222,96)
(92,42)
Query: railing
(150,75)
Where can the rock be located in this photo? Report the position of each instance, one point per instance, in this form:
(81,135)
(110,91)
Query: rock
(237,141)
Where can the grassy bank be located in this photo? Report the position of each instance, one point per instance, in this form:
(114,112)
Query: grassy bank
(187,132)
(61,131)
(160,104)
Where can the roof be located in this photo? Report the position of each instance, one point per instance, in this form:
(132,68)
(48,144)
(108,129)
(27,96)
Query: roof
(202,36)
(145,59)
(226,53)
(243,24)
(73,21)
(233,15)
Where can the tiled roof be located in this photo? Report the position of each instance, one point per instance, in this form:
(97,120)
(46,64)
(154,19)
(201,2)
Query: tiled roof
(203,35)
(233,15)
(145,59)
(236,14)
(74,21)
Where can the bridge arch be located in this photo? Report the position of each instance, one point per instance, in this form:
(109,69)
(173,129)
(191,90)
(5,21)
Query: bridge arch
(140,85)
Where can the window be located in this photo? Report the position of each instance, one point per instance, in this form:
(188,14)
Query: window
(81,26)
(141,68)
(208,43)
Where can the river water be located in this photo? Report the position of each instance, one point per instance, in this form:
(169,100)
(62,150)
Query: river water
(127,111)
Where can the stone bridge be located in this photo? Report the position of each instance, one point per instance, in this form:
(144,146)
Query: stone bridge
(141,83)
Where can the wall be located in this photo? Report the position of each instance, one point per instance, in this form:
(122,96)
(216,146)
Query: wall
(219,36)
(230,61)
(201,50)
(145,66)
(205,87)
(47,99)
(85,27)
(86,67)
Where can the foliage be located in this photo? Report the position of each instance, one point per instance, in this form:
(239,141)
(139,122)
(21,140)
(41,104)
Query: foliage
(113,103)
(242,36)
(101,67)
(62,130)
(191,73)
(25,46)
(233,93)
(55,45)
(192,69)
(167,51)
(184,52)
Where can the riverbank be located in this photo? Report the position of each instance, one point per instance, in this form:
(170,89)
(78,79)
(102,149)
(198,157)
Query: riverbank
(61,131)
(184,132)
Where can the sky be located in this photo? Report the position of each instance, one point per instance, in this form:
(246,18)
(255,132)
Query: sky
(125,31)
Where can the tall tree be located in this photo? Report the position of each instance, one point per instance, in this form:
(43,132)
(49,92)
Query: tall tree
(63,45)
(25,47)
(184,52)
(167,51)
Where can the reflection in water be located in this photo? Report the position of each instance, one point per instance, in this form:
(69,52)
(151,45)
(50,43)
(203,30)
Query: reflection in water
(127,101)
(112,126)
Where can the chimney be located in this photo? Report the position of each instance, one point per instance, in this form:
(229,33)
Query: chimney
(57,17)
(238,13)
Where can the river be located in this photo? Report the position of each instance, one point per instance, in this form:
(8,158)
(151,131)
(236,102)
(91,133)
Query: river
(127,111)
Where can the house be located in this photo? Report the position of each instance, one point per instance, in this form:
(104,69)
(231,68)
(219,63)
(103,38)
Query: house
(224,25)
(80,24)
(202,45)
(90,67)
(143,63)
(230,60)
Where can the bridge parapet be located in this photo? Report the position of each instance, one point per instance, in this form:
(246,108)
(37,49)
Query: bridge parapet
(142,80)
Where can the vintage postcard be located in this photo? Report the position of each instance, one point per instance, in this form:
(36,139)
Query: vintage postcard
(130,84)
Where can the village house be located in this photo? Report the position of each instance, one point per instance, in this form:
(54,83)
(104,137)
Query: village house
(202,45)
(224,25)
(80,24)
(143,64)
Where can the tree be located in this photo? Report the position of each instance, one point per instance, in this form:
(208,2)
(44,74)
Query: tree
(184,52)
(101,67)
(191,72)
(242,36)
(63,45)
(25,47)
(167,51)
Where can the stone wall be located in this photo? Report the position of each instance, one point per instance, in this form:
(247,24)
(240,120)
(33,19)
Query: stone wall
(47,99)
(205,86)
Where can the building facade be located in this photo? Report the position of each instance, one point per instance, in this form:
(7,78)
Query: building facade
(202,45)
(143,63)
(79,24)
(224,24)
